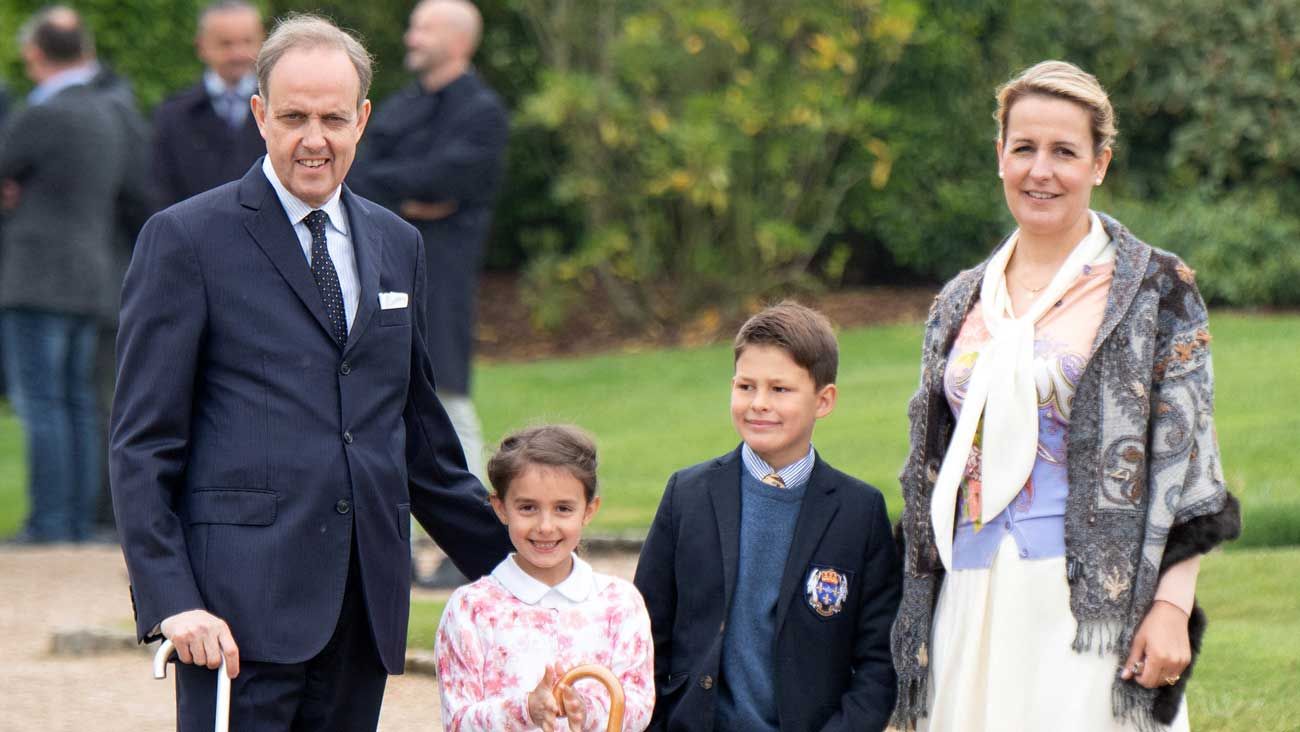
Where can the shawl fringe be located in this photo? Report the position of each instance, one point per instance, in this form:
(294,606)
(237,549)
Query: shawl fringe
(1103,637)
(1132,703)
(913,702)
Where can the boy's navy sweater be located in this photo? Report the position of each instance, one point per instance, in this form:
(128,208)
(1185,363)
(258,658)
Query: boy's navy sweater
(747,687)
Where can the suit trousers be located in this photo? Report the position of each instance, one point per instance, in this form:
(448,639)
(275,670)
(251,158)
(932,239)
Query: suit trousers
(339,690)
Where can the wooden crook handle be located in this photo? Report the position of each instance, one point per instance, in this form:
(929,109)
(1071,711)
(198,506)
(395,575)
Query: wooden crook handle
(611,683)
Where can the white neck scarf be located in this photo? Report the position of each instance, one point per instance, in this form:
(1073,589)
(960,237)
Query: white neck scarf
(1002,389)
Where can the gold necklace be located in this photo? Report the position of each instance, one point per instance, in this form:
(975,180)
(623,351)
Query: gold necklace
(1033,290)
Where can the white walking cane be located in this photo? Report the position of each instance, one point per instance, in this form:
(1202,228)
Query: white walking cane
(223,683)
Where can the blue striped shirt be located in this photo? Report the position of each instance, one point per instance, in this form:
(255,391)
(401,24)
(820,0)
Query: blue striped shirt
(795,474)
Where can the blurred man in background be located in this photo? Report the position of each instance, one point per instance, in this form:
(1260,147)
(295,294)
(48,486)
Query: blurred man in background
(64,171)
(434,155)
(204,136)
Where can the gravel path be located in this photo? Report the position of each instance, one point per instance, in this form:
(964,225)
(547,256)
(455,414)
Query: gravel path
(43,591)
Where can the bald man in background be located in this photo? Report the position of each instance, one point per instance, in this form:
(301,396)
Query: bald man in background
(434,155)
(204,136)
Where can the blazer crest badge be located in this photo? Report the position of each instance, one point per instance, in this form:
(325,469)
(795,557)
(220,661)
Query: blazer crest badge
(826,590)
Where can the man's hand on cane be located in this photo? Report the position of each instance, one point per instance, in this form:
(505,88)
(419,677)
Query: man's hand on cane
(202,639)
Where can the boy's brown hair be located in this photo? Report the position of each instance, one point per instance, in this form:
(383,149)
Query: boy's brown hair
(800,331)
(552,446)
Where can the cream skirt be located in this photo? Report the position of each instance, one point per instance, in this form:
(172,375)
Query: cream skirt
(1002,660)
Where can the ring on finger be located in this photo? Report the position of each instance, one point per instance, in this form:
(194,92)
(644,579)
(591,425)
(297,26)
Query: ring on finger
(1137,667)
(1171,680)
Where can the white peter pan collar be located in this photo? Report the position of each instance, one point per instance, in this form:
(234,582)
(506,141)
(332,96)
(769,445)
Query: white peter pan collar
(577,588)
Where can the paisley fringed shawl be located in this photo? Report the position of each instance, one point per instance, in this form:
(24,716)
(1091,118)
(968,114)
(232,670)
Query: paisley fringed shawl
(1143,467)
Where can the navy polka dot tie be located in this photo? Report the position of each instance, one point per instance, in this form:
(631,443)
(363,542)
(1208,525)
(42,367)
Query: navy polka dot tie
(327,279)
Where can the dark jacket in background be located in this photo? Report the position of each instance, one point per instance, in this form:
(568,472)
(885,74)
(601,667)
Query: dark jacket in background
(194,150)
(447,145)
(69,156)
(139,199)
(832,673)
(135,205)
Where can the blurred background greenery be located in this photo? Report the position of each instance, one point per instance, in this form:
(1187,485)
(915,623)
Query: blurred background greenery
(674,155)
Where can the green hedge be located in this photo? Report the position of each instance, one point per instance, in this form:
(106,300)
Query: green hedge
(1245,247)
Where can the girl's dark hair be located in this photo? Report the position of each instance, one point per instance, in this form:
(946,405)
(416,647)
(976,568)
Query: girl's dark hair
(553,446)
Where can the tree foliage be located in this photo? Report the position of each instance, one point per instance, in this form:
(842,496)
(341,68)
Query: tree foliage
(708,144)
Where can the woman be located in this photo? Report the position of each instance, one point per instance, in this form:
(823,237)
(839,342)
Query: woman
(1063,477)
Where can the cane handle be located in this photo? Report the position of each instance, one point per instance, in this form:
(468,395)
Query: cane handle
(222,723)
(608,680)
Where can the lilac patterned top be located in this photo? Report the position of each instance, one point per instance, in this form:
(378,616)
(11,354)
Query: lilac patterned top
(1035,518)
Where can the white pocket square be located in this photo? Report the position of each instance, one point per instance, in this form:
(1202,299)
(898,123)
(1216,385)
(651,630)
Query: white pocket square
(392,300)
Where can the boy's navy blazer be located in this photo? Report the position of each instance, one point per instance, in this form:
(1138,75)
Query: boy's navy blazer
(832,673)
(248,450)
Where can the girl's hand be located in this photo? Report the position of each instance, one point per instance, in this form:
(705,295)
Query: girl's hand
(542,709)
(1161,649)
(574,708)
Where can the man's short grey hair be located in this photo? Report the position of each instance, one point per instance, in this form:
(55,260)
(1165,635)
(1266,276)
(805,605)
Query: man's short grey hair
(226,6)
(304,31)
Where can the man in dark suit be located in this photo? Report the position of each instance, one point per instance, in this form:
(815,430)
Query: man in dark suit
(65,166)
(276,424)
(434,154)
(204,136)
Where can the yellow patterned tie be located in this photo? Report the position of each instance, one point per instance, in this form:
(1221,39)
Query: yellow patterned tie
(773,479)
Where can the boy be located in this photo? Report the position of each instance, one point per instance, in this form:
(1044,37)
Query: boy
(770,577)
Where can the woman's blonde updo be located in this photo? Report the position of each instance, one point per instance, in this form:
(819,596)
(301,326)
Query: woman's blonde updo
(1066,81)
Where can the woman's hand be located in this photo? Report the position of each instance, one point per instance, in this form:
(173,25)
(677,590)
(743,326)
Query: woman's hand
(1161,649)
(542,709)
(574,708)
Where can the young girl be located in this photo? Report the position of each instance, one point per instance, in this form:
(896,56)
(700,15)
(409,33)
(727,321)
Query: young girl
(507,639)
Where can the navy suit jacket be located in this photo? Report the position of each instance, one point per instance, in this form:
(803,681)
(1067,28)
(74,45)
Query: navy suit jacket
(194,150)
(248,450)
(832,673)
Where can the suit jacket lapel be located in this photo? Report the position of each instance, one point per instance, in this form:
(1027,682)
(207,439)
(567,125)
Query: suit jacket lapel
(368,249)
(820,505)
(724,491)
(270,228)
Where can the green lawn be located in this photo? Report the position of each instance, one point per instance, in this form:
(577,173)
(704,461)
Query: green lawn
(1249,665)
(423,627)
(655,411)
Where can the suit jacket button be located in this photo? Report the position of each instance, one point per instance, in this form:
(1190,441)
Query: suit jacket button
(345,368)
(343,506)
(706,682)
(347,437)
